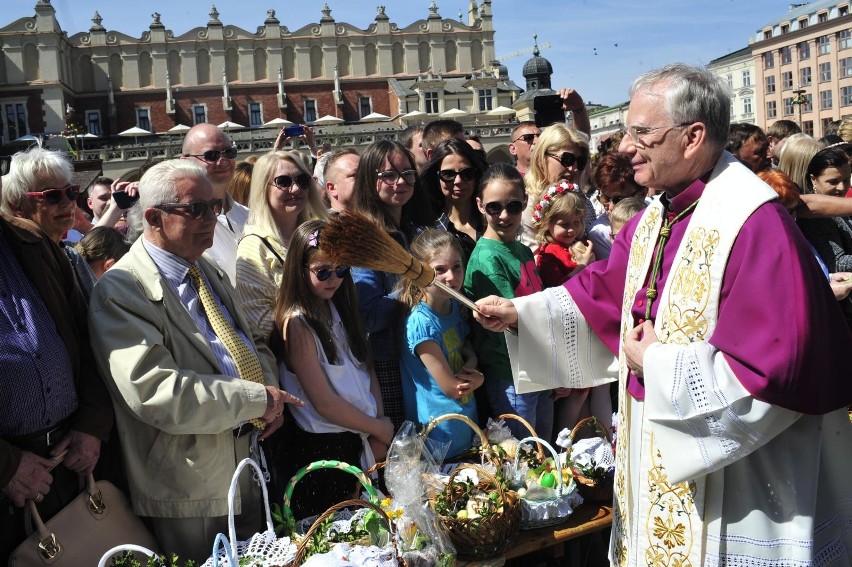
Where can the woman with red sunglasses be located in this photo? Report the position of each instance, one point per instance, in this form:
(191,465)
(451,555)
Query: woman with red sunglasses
(39,188)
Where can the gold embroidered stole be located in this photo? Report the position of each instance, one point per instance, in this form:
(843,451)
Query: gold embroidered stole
(669,526)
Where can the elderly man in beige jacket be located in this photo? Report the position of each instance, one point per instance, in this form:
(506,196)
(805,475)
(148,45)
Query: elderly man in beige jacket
(187,410)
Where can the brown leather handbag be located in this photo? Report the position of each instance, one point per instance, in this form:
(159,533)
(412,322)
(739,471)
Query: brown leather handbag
(97,520)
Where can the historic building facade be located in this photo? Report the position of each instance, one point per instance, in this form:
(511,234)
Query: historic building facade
(220,72)
(803,66)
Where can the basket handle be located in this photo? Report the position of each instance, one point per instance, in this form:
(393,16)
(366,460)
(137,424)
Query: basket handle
(529,427)
(560,485)
(481,471)
(303,545)
(317,465)
(232,492)
(222,540)
(483,440)
(591,421)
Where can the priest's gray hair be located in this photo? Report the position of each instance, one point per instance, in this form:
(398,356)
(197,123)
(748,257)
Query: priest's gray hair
(692,94)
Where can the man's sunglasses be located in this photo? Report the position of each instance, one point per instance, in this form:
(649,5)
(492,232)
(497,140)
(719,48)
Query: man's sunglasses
(212,156)
(323,274)
(448,175)
(494,208)
(303,180)
(604,200)
(391,176)
(528,138)
(54,196)
(195,210)
(567,159)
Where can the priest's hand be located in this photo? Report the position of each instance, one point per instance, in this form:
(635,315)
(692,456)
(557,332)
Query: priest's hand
(496,313)
(637,342)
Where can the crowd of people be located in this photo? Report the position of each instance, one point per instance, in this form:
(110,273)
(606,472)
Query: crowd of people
(161,327)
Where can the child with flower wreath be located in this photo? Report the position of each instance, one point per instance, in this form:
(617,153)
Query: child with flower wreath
(559,219)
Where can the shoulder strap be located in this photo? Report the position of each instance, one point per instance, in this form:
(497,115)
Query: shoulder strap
(268,245)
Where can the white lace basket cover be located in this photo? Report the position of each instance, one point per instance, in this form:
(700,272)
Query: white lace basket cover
(265,549)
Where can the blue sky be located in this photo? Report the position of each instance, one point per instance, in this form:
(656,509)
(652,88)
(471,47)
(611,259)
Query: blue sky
(629,37)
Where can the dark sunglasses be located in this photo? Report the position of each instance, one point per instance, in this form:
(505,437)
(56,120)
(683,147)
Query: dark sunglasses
(195,210)
(528,138)
(5,164)
(212,156)
(391,176)
(567,159)
(323,274)
(604,200)
(303,180)
(54,196)
(448,175)
(494,208)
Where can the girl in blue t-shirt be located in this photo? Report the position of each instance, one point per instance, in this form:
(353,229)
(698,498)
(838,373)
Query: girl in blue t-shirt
(438,363)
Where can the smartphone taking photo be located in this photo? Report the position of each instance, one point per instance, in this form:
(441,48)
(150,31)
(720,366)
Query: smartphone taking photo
(123,200)
(548,110)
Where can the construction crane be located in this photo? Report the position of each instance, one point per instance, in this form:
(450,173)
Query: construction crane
(520,52)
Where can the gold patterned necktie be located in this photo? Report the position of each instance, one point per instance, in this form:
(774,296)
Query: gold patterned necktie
(248,365)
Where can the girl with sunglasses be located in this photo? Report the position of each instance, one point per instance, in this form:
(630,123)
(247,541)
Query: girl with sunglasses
(323,347)
(560,155)
(501,265)
(283,195)
(450,180)
(438,362)
(388,192)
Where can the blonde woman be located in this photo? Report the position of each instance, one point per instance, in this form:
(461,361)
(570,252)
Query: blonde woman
(283,195)
(796,155)
(560,155)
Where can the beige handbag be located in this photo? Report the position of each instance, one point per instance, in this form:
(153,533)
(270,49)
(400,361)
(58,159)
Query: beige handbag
(98,519)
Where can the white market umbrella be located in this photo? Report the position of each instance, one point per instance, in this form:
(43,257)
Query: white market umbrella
(135,132)
(375,117)
(178,129)
(453,113)
(84,137)
(327,120)
(414,115)
(277,123)
(228,125)
(501,111)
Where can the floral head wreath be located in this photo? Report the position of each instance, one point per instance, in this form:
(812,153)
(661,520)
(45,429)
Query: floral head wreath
(547,197)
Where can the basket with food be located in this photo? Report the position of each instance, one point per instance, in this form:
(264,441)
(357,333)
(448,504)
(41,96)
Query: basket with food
(480,515)
(365,537)
(592,460)
(547,490)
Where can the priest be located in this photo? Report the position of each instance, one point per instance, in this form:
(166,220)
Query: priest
(731,355)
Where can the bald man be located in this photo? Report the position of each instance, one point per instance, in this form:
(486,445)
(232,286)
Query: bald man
(209,146)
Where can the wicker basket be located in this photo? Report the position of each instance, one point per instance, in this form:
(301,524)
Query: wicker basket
(302,550)
(484,537)
(487,453)
(287,512)
(525,423)
(564,500)
(591,490)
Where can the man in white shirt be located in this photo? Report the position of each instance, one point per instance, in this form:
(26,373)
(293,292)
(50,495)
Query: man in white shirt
(211,147)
